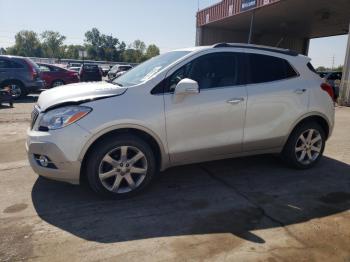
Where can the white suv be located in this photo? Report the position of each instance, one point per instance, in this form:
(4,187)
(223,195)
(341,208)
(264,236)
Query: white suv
(185,106)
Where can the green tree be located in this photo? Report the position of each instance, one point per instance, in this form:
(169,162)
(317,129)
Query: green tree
(139,46)
(321,69)
(339,68)
(152,50)
(27,43)
(72,51)
(131,56)
(52,44)
(103,47)
(2,51)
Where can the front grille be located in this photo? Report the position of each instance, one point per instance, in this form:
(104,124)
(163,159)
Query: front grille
(34,116)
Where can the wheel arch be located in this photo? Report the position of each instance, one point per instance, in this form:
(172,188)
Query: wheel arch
(7,81)
(315,117)
(162,160)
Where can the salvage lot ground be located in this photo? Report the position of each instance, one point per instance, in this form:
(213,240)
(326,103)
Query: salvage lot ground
(239,209)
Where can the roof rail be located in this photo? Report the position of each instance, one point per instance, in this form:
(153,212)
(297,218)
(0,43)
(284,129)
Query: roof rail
(258,47)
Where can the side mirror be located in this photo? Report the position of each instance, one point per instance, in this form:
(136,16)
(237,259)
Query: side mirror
(186,86)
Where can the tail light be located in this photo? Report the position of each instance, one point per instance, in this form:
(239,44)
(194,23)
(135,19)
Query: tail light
(34,73)
(329,89)
(72,73)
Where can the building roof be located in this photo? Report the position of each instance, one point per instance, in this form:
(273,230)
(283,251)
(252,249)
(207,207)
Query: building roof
(309,19)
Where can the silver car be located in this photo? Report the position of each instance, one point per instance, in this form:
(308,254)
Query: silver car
(185,106)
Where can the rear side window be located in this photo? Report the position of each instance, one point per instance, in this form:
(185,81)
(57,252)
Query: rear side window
(44,68)
(311,67)
(4,63)
(9,64)
(265,68)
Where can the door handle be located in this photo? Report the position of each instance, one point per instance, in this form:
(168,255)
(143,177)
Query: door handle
(299,91)
(235,101)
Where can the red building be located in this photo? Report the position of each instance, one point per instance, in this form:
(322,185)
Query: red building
(280,23)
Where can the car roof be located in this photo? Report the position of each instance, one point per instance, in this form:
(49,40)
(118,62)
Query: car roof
(13,56)
(271,49)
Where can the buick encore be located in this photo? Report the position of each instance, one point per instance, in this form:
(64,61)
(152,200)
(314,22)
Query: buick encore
(185,106)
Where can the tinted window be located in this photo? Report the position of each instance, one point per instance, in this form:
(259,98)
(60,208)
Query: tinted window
(335,76)
(44,68)
(264,68)
(16,65)
(90,68)
(210,71)
(4,63)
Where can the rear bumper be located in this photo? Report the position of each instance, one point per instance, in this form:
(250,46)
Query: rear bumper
(35,85)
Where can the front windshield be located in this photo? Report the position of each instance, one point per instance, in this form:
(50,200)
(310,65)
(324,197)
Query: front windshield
(148,69)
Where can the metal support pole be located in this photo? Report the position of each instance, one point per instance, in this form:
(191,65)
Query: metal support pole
(345,83)
(251,27)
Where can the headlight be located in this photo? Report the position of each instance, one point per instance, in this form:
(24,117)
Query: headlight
(64,116)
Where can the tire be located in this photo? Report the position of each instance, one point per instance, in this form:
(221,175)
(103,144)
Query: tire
(17,89)
(300,155)
(57,83)
(106,160)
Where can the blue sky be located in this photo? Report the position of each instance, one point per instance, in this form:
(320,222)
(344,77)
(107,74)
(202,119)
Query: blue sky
(167,23)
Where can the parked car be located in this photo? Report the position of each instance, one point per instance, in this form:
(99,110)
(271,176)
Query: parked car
(70,65)
(322,74)
(105,70)
(21,74)
(116,69)
(57,76)
(185,106)
(90,72)
(5,96)
(334,79)
(76,69)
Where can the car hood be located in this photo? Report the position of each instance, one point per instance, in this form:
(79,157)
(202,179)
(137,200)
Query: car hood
(77,93)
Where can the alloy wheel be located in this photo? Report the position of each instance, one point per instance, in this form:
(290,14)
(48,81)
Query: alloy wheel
(57,83)
(123,169)
(15,90)
(308,146)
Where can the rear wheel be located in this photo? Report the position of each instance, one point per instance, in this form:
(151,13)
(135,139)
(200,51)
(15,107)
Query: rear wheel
(120,167)
(305,146)
(17,90)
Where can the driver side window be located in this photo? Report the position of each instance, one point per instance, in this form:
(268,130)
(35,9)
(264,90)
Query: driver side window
(180,74)
(210,71)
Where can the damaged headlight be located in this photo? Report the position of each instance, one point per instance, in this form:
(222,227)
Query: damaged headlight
(62,117)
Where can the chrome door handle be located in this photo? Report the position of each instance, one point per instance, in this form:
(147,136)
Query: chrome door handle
(299,91)
(235,101)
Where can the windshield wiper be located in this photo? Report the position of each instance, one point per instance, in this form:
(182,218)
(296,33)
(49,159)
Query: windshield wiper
(119,84)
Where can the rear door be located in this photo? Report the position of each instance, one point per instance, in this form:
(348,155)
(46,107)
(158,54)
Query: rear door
(277,96)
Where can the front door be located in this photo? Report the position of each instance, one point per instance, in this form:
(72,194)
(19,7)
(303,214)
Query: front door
(209,124)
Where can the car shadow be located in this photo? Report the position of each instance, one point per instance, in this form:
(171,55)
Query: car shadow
(26,100)
(234,196)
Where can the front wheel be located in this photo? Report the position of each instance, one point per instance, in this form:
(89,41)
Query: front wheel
(305,146)
(120,166)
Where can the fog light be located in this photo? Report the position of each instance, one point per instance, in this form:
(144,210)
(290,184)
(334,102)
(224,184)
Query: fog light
(43,160)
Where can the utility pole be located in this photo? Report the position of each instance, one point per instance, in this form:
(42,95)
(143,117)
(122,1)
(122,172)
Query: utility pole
(344,99)
(251,27)
(333,60)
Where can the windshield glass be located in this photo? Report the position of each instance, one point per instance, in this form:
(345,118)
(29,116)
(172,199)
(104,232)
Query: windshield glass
(148,69)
